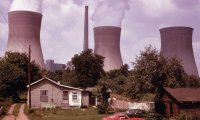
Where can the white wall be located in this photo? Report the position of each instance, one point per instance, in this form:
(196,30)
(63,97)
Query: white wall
(75,103)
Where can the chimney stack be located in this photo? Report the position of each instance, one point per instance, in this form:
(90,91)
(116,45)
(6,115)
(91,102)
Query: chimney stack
(85,44)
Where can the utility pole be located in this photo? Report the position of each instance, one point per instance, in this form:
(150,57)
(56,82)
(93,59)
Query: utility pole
(29,75)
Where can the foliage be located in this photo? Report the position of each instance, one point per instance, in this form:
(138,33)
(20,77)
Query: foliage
(14,74)
(57,75)
(151,72)
(4,105)
(184,116)
(103,107)
(192,81)
(86,68)
(116,79)
(60,114)
(102,100)
(69,77)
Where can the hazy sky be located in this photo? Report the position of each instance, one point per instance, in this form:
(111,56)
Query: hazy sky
(140,20)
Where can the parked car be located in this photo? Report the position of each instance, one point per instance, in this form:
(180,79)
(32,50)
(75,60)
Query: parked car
(135,113)
(120,116)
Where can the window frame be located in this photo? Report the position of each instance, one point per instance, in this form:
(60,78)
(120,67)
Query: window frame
(44,97)
(75,96)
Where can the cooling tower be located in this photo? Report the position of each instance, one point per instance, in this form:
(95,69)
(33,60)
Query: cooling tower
(177,42)
(85,44)
(24,30)
(107,44)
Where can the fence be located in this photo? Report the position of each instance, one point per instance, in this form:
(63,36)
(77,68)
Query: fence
(147,106)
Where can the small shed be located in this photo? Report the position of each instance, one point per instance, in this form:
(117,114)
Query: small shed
(48,92)
(174,101)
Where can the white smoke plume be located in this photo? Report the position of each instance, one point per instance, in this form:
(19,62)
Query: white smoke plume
(110,12)
(27,5)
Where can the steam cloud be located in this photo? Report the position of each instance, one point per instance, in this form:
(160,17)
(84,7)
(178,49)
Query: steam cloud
(110,12)
(27,5)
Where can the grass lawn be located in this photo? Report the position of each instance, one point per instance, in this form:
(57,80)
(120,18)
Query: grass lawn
(59,114)
(16,109)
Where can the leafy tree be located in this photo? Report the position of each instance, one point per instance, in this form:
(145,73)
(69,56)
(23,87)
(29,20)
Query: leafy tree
(70,78)
(14,74)
(152,71)
(192,81)
(85,68)
(115,79)
(21,60)
(56,75)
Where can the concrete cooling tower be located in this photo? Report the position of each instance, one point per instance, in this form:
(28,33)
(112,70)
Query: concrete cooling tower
(24,30)
(177,42)
(107,44)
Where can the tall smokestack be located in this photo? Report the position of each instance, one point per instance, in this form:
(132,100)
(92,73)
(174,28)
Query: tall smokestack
(85,44)
(177,42)
(107,44)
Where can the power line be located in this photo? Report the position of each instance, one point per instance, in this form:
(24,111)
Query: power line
(3,17)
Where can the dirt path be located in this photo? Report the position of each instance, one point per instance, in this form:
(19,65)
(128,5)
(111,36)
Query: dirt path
(9,115)
(21,115)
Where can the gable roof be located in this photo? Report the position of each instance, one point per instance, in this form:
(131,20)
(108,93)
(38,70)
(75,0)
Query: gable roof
(56,83)
(184,94)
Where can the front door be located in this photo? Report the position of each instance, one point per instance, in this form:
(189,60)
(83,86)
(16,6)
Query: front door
(66,97)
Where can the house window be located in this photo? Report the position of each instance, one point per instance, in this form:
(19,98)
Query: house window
(74,96)
(43,95)
(65,95)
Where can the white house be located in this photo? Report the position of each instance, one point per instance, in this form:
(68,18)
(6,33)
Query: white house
(45,92)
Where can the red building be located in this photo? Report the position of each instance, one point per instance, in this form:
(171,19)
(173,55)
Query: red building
(174,101)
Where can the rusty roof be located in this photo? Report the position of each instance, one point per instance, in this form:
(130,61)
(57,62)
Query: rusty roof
(184,94)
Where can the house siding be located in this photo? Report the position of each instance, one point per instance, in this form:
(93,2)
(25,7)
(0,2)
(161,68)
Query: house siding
(55,94)
(85,98)
(170,107)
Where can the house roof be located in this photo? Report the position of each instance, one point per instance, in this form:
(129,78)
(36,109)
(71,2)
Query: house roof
(56,83)
(184,94)
(90,89)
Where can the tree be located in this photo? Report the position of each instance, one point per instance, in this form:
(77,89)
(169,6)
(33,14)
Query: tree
(14,74)
(86,69)
(152,71)
(56,75)
(115,79)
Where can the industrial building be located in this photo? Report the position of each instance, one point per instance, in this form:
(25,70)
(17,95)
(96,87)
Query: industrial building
(107,44)
(177,42)
(51,66)
(24,30)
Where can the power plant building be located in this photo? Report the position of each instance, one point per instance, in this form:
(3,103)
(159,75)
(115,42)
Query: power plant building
(107,44)
(51,66)
(177,42)
(24,30)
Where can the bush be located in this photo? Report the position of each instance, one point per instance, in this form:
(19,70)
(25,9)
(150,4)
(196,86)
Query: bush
(31,111)
(102,108)
(4,105)
(184,116)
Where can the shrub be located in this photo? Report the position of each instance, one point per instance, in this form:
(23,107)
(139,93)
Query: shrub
(4,105)
(102,108)
(31,111)
(184,116)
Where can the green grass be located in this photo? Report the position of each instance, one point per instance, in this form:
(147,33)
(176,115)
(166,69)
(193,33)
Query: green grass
(16,109)
(59,114)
